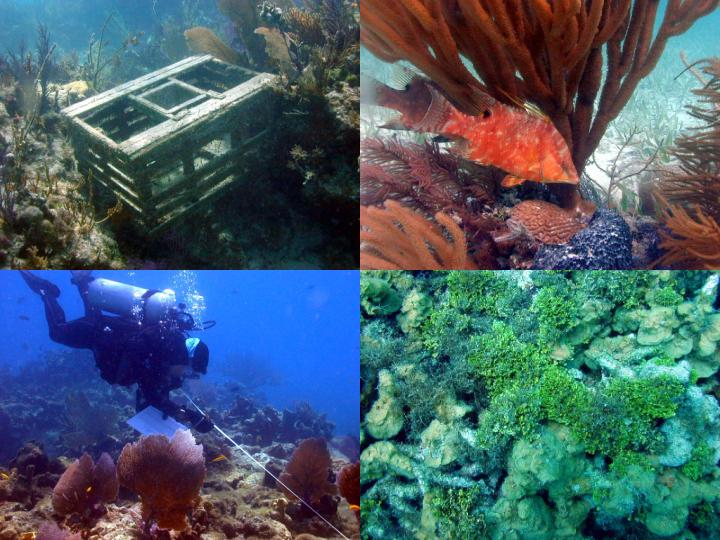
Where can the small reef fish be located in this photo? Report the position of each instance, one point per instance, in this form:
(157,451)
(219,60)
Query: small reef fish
(24,318)
(4,475)
(221,457)
(524,144)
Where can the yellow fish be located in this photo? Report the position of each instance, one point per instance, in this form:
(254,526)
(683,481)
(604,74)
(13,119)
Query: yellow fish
(219,458)
(89,489)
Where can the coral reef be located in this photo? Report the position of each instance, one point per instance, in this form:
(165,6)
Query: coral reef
(235,500)
(542,404)
(578,64)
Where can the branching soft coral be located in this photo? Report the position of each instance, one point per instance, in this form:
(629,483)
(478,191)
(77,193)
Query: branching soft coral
(694,242)
(167,474)
(396,238)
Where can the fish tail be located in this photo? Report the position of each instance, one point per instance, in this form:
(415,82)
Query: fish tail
(511,181)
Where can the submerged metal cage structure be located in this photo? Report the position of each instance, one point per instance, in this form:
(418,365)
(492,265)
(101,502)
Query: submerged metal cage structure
(172,141)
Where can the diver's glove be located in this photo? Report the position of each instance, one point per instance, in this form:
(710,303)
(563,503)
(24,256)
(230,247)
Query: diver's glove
(199,422)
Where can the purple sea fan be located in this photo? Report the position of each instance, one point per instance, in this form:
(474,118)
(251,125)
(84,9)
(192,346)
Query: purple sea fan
(167,474)
(85,484)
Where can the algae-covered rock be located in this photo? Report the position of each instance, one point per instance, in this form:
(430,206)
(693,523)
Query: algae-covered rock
(416,307)
(381,459)
(377,297)
(440,444)
(657,326)
(385,418)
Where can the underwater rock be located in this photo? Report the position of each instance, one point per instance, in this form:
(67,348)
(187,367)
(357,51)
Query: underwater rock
(440,444)
(382,458)
(377,297)
(385,418)
(605,244)
(657,326)
(416,307)
(50,531)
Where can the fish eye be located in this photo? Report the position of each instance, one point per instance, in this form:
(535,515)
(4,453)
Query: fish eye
(487,114)
(407,87)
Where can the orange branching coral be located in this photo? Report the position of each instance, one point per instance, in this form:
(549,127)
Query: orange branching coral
(307,472)
(85,484)
(204,40)
(167,474)
(695,241)
(546,222)
(548,52)
(396,238)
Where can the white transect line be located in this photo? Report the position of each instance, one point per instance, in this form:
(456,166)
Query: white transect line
(256,462)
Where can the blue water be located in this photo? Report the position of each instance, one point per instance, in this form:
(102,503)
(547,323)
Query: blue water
(302,324)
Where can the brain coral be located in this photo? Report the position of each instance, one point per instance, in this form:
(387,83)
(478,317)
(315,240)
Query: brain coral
(546,222)
(166,473)
(84,484)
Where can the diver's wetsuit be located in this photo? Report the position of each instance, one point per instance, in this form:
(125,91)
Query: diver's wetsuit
(127,353)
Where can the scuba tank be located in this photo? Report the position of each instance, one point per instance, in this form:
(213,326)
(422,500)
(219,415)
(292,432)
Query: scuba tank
(148,305)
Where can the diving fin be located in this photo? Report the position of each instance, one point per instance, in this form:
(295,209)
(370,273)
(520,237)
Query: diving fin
(511,181)
(80,276)
(150,421)
(39,285)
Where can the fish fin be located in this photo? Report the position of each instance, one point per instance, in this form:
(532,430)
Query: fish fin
(395,123)
(511,181)
(441,139)
(401,77)
(530,108)
(461,148)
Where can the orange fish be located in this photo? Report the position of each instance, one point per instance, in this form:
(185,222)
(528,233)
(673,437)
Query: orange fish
(221,457)
(525,145)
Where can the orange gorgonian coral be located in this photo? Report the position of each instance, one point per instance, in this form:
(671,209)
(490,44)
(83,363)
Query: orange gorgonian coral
(695,241)
(167,474)
(396,238)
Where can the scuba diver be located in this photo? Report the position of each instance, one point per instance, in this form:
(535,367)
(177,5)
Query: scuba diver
(146,345)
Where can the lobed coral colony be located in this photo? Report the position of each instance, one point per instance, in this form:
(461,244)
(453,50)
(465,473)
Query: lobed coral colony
(526,91)
(111,484)
(540,405)
(55,213)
